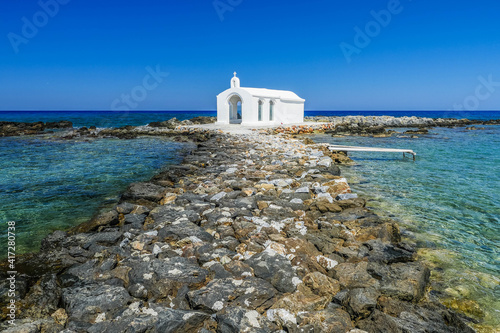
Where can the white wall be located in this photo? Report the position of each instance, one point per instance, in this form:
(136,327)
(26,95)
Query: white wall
(285,112)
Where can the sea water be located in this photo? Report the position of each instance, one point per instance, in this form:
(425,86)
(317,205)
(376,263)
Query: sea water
(447,202)
(48,184)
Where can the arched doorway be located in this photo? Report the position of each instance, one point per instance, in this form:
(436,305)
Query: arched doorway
(235,108)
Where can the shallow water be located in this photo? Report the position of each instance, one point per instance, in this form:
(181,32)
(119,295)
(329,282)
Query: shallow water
(48,184)
(448,202)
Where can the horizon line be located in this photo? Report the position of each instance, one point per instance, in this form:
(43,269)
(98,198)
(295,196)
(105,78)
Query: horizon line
(353,110)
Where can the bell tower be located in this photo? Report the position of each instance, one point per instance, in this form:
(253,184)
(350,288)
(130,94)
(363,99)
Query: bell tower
(235,81)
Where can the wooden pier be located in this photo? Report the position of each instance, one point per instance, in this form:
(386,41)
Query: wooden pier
(372,149)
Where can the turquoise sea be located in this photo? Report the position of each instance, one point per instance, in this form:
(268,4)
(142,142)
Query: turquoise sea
(447,201)
(48,184)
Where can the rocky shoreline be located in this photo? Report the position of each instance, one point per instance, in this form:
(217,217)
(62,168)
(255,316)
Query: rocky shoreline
(10,128)
(376,126)
(383,126)
(251,233)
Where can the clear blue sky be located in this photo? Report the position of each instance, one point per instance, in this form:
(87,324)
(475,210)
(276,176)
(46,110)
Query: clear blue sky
(429,56)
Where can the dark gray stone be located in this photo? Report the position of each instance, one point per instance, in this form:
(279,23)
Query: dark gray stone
(406,281)
(238,319)
(250,293)
(274,268)
(53,240)
(137,219)
(165,321)
(387,253)
(144,191)
(103,238)
(361,301)
(181,229)
(125,208)
(84,303)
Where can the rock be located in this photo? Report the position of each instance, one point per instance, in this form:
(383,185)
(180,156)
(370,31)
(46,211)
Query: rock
(326,263)
(154,319)
(144,191)
(54,240)
(388,253)
(330,320)
(203,120)
(103,238)
(170,124)
(301,301)
(251,293)
(274,268)
(168,199)
(424,320)
(42,325)
(324,205)
(239,269)
(59,124)
(15,128)
(162,277)
(352,275)
(101,220)
(125,208)
(347,196)
(321,284)
(135,219)
(406,281)
(361,301)
(238,319)
(265,187)
(467,306)
(87,302)
(262,204)
(282,317)
(325,161)
(302,190)
(43,298)
(218,196)
(181,229)
(60,316)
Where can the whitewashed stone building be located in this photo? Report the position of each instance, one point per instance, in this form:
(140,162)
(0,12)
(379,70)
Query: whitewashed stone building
(257,106)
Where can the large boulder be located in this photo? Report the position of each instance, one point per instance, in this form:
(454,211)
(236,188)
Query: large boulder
(276,269)
(87,302)
(144,191)
(239,319)
(406,281)
(251,293)
(182,228)
(154,320)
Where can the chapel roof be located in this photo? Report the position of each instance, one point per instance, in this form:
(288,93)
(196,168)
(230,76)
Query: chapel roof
(271,93)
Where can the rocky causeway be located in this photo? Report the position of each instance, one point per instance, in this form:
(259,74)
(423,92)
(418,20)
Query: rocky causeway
(251,233)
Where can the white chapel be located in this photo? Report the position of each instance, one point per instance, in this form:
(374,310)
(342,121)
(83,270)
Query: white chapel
(257,106)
